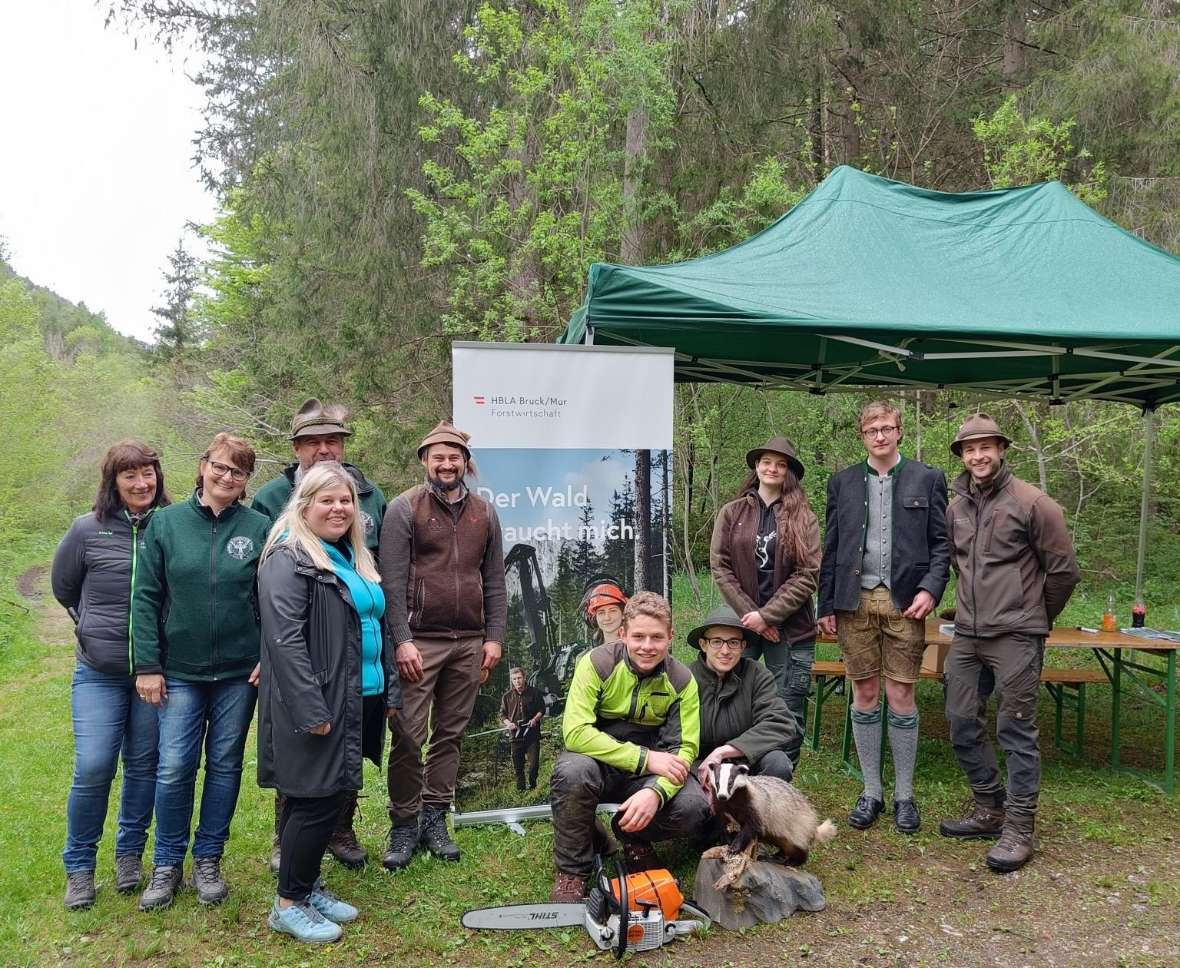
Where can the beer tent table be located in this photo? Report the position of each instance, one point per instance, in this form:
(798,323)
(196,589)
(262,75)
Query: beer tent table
(1023,292)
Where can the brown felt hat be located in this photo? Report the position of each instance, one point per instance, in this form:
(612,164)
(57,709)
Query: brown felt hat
(976,427)
(778,445)
(725,616)
(314,420)
(446,433)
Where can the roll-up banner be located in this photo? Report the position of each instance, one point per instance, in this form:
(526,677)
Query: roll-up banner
(572,446)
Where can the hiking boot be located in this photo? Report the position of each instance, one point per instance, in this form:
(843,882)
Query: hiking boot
(906,818)
(435,837)
(343,844)
(162,888)
(128,873)
(207,879)
(330,906)
(403,841)
(983,819)
(866,812)
(1014,850)
(568,889)
(640,856)
(80,890)
(276,856)
(303,923)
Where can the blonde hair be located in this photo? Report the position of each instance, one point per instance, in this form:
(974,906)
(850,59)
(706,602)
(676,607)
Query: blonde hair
(875,409)
(648,604)
(292,527)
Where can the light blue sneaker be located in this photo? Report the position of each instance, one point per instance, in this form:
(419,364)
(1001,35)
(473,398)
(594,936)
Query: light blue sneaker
(330,906)
(304,923)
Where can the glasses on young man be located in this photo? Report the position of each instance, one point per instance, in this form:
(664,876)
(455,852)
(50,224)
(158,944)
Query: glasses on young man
(725,645)
(870,433)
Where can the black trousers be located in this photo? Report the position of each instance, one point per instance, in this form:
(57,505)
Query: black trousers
(306,825)
(527,750)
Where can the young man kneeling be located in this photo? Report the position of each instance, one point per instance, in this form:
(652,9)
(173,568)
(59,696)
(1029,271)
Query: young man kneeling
(631,730)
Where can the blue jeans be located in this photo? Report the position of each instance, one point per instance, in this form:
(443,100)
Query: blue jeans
(216,715)
(108,718)
(791,667)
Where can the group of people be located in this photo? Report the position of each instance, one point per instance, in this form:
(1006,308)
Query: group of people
(643,728)
(339,614)
(331,611)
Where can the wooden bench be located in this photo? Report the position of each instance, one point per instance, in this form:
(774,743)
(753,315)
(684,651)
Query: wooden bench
(1066,686)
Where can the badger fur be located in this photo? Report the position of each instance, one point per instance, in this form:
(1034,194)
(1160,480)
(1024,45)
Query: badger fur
(765,809)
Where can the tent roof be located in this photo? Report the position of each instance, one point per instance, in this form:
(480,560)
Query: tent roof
(871,282)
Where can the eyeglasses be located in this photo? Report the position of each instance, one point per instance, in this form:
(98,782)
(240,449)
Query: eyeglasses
(729,645)
(224,470)
(871,432)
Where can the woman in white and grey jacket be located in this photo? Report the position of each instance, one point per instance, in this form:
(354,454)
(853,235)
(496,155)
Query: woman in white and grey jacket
(91,578)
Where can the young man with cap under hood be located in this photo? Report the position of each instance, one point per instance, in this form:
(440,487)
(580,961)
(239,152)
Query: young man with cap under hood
(1016,568)
(442,570)
(319,433)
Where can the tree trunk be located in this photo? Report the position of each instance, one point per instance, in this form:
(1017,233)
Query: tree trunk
(635,152)
(1012,63)
(642,519)
(1034,438)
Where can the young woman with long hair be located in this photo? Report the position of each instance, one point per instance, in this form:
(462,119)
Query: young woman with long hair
(328,684)
(765,558)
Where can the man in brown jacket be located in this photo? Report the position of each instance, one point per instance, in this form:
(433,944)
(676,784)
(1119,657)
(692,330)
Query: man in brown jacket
(1016,570)
(442,570)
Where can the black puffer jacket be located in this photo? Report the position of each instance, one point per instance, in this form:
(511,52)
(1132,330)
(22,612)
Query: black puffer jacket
(311,674)
(91,575)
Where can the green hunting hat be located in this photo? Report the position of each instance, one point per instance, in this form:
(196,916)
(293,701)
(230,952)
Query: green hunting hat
(721,615)
(314,420)
(976,427)
(778,445)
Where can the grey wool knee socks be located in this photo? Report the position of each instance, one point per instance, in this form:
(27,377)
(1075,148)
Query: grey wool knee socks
(903,741)
(866,733)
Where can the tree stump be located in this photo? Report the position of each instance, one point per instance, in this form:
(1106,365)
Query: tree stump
(765,892)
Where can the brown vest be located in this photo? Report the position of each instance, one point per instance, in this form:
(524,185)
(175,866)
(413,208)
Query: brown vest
(445,591)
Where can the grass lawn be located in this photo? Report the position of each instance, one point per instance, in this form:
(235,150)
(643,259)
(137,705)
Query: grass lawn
(1103,889)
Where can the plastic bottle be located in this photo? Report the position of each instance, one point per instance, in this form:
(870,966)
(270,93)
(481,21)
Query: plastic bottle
(1109,622)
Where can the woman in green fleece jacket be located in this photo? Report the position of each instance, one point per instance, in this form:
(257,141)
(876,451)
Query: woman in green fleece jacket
(195,639)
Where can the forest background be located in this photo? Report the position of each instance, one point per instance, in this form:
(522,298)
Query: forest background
(393,175)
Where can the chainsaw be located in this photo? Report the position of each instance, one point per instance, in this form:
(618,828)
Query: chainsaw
(629,912)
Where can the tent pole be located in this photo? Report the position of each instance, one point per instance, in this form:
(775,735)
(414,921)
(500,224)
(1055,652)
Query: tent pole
(1145,500)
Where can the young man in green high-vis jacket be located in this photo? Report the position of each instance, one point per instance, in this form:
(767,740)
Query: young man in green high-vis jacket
(631,730)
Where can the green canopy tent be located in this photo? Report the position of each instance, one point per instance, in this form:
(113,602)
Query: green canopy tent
(867,282)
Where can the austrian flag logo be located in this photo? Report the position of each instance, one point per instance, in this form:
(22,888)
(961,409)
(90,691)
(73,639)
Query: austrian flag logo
(480,399)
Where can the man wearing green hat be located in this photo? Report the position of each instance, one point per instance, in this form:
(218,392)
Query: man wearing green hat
(1012,551)
(742,714)
(319,433)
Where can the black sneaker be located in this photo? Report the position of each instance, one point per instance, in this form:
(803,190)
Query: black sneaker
(80,890)
(207,879)
(403,841)
(162,888)
(906,817)
(865,813)
(435,837)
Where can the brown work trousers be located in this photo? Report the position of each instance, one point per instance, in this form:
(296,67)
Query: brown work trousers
(438,706)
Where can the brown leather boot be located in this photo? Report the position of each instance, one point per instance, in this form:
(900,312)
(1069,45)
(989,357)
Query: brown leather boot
(983,819)
(1015,848)
(568,889)
(343,844)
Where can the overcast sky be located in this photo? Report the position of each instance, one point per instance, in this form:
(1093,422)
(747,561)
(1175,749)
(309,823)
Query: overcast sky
(96,177)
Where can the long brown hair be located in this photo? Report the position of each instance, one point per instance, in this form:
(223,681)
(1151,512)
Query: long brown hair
(796,511)
(126,455)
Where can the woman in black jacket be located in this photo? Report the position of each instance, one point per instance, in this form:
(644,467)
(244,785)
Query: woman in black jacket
(91,577)
(328,684)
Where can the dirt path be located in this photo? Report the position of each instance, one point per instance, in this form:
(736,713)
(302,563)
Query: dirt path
(29,584)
